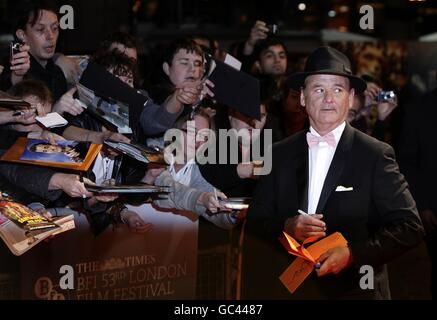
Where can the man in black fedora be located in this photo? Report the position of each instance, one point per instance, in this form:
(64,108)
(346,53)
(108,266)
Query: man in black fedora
(344,181)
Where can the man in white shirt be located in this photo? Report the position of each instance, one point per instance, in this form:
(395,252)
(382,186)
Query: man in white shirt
(346,182)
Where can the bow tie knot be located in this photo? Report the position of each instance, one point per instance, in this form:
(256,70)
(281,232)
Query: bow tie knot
(314,140)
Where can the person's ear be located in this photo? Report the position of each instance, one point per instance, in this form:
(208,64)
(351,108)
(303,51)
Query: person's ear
(258,66)
(302,98)
(166,68)
(351,98)
(21,35)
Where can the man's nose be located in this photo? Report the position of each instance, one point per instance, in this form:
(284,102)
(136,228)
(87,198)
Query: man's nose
(49,34)
(194,70)
(328,96)
(276,58)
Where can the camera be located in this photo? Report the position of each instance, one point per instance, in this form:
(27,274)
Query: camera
(386,96)
(273,29)
(15,48)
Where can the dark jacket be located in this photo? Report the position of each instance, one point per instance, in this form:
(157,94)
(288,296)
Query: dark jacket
(378,218)
(51,75)
(225,176)
(25,182)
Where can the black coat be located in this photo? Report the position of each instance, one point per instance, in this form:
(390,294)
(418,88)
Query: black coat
(225,176)
(51,75)
(26,183)
(378,218)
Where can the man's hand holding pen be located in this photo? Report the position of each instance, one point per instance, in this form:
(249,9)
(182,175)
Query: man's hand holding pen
(27,116)
(307,225)
(193,92)
(71,184)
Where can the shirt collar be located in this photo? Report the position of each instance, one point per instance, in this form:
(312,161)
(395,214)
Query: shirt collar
(36,65)
(337,131)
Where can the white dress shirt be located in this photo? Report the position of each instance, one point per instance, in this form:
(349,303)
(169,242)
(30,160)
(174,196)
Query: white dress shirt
(103,168)
(183,176)
(319,161)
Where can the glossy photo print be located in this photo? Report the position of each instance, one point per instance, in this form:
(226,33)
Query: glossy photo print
(62,151)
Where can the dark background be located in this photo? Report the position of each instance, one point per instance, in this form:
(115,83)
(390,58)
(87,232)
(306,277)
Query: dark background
(231,20)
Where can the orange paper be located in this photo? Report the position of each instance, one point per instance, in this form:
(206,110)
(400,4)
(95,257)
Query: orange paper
(301,268)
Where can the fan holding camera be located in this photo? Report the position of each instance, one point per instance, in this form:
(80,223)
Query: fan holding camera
(19,62)
(265,56)
(360,114)
(259,31)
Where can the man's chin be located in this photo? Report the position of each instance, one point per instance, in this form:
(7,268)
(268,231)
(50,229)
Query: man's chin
(48,55)
(277,73)
(43,56)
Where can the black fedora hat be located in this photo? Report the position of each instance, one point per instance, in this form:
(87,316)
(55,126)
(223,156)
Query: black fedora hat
(327,60)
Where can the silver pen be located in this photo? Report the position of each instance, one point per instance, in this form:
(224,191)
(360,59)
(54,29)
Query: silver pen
(215,194)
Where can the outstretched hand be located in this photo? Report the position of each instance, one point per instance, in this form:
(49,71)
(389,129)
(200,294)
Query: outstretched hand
(334,261)
(302,227)
(135,223)
(20,64)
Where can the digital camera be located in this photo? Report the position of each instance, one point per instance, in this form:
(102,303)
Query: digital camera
(15,48)
(386,96)
(273,29)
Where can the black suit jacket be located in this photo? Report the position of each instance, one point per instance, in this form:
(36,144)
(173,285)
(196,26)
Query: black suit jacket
(378,218)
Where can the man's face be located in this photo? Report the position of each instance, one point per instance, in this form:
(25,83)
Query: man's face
(185,67)
(273,61)
(42,36)
(369,61)
(327,99)
(47,148)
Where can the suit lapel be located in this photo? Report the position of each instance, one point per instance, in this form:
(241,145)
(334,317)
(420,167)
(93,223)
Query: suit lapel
(337,166)
(301,164)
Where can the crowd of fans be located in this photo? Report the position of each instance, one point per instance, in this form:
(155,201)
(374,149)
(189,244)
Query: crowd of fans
(48,80)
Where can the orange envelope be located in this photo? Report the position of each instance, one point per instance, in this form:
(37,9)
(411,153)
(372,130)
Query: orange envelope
(301,268)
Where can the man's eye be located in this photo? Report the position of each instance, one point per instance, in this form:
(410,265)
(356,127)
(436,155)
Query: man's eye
(319,90)
(338,90)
